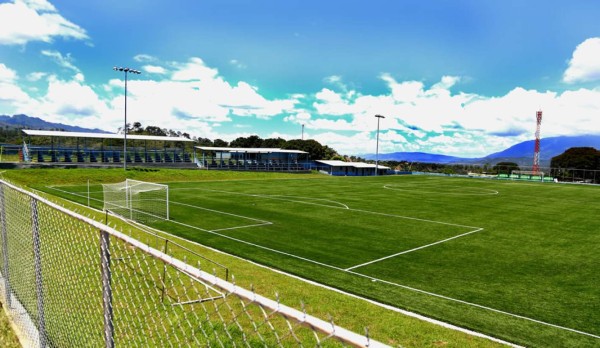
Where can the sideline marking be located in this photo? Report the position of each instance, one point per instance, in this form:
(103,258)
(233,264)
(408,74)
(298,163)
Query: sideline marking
(411,250)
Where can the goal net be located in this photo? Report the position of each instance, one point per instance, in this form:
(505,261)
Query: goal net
(137,200)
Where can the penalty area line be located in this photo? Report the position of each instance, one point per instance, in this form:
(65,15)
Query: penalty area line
(414,249)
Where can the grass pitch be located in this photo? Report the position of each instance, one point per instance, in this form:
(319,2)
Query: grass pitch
(514,260)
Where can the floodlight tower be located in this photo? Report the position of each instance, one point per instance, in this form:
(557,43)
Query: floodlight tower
(126,71)
(536,152)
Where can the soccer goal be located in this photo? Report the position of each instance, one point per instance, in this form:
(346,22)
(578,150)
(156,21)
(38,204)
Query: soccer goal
(137,200)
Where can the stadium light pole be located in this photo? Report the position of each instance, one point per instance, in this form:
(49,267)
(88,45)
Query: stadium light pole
(379,117)
(126,71)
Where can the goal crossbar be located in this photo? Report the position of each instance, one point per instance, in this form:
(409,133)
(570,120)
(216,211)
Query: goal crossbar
(137,200)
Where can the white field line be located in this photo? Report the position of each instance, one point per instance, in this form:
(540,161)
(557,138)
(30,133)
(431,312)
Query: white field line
(278,197)
(396,284)
(406,287)
(345,207)
(223,213)
(314,283)
(262,222)
(411,250)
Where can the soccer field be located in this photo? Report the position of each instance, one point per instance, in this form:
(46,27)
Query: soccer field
(514,260)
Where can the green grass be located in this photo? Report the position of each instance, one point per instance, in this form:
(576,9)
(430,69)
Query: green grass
(536,255)
(8,339)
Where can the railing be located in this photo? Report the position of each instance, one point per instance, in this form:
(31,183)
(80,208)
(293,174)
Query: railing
(69,281)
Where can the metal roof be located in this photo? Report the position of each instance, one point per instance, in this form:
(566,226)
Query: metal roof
(46,133)
(248,150)
(338,163)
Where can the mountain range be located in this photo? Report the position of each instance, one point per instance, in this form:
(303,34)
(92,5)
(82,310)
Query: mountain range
(24,121)
(521,153)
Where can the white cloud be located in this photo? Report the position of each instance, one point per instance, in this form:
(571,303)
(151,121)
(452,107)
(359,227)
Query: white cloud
(10,93)
(6,74)
(584,66)
(154,69)
(144,58)
(63,61)
(34,20)
(193,70)
(35,76)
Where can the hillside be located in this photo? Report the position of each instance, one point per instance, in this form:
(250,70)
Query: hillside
(24,121)
(521,153)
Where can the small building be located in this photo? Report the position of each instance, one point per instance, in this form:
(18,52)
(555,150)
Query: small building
(341,168)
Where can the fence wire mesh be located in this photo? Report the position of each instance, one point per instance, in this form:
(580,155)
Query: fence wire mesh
(69,281)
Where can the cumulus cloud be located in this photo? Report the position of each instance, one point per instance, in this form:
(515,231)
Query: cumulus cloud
(584,66)
(35,20)
(154,69)
(435,119)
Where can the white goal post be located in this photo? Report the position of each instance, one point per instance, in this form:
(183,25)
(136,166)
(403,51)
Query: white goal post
(137,200)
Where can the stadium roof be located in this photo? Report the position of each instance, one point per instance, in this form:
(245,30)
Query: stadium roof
(337,163)
(248,150)
(46,133)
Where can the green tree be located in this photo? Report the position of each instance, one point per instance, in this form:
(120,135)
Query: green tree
(274,143)
(220,143)
(577,158)
(253,141)
(315,150)
(505,167)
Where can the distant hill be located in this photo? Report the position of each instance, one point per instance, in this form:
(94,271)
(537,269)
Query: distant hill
(521,153)
(417,157)
(24,121)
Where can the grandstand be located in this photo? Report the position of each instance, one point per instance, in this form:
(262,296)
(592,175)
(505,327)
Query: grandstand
(105,149)
(255,159)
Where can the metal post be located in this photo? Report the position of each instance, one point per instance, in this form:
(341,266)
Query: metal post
(126,71)
(88,192)
(125,128)
(109,330)
(164,276)
(377,146)
(39,289)
(5,272)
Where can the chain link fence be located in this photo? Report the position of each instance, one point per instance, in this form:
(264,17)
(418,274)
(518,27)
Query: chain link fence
(69,281)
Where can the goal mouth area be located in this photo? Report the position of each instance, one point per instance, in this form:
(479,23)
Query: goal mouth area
(137,200)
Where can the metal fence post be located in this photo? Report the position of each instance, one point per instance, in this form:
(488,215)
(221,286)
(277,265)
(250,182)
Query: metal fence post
(5,246)
(39,288)
(106,290)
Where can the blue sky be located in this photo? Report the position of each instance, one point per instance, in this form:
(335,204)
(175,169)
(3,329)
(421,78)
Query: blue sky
(452,77)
